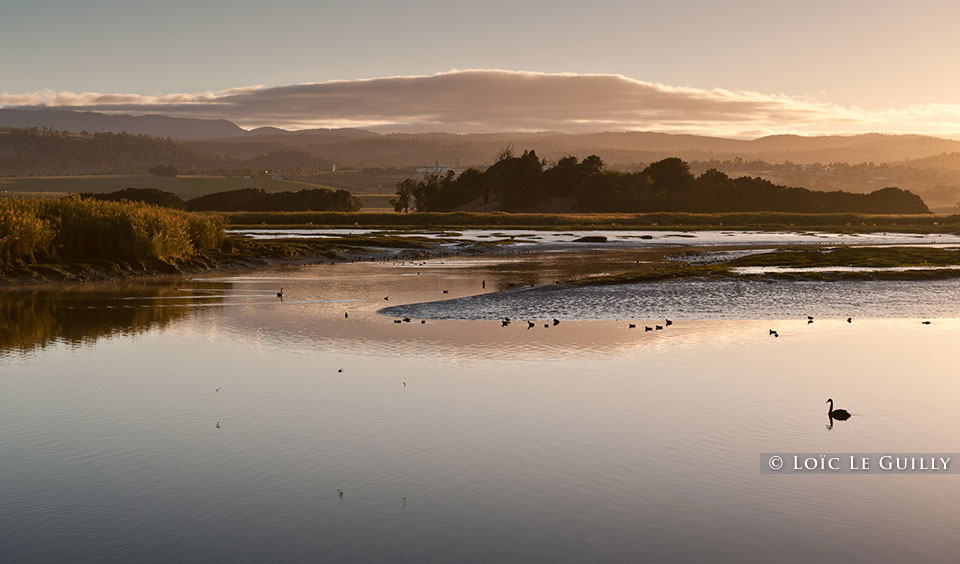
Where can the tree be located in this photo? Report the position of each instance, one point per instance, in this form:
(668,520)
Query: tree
(404,194)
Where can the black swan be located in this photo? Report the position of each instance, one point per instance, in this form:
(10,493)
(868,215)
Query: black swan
(838,414)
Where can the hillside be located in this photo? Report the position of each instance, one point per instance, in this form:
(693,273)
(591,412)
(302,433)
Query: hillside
(357,147)
(619,149)
(94,122)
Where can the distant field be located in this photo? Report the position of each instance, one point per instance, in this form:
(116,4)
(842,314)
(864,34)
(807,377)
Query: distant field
(186,187)
(364,182)
(376,202)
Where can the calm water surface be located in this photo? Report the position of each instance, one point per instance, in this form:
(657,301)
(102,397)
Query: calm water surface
(459,440)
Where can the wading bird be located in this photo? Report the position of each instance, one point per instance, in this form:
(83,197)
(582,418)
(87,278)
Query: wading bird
(280,294)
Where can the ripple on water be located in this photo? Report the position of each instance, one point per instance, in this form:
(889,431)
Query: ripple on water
(703,299)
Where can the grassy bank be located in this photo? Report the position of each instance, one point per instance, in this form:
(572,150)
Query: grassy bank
(57,230)
(767,221)
(72,239)
(871,257)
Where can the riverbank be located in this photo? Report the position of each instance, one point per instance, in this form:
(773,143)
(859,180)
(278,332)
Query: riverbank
(796,264)
(658,221)
(239,254)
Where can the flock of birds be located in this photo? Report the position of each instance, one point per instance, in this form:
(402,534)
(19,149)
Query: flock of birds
(774,333)
(832,414)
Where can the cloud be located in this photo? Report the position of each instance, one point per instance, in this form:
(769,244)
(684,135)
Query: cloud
(499,100)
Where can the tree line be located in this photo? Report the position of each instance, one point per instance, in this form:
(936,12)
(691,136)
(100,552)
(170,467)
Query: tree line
(525,183)
(244,199)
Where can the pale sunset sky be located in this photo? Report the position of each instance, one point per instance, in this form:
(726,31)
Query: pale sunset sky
(739,68)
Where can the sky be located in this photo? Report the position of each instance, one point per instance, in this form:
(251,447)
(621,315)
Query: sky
(735,68)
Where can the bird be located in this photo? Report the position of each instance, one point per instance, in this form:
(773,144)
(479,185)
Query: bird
(404,384)
(483,284)
(386,298)
(218,424)
(556,322)
(446,291)
(530,324)
(809,318)
(849,320)
(406,320)
(838,414)
(631,326)
(504,323)
(774,333)
(546,325)
(658,327)
(340,493)
(423,322)
(926,322)
(280,294)
(217,390)
(340,370)
(647,328)
(669,323)
(346,315)
(398,321)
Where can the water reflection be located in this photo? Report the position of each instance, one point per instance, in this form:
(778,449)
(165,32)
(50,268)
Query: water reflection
(37,318)
(227,431)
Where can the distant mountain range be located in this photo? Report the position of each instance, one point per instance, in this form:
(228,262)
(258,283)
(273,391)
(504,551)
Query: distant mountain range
(357,147)
(93,122)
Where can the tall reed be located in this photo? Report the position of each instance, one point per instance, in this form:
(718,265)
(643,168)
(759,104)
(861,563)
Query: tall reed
(71,228)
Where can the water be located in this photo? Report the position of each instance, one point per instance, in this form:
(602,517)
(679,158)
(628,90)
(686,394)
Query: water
(534,240)
(700,298)
(463,441)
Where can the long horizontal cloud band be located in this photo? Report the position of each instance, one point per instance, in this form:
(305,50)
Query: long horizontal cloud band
(497,100)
